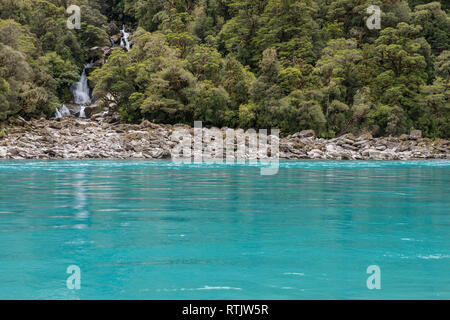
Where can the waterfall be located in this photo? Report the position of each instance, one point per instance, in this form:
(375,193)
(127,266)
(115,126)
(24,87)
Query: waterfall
(82,113)
(81,95)
(62,112)
(124,40)
(81,89)
(58,114)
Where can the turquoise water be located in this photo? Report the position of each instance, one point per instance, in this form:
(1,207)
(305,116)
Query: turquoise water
(156,230)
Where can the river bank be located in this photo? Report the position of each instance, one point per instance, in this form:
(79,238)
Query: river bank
(103,137)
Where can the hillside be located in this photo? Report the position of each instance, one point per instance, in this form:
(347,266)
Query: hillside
(291,64)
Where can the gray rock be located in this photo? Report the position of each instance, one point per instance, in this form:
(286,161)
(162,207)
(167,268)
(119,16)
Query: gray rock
(3,152)
(404,137)
(304,134)
(346,141)
(74,138)
(88,111)
(364,137)
(360,143)
(415,134)
(349,146)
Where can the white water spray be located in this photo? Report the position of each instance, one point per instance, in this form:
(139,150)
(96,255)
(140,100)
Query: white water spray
(81,89)
(58,114)
(82,113)
(62,112)
(81,95)
(124,40)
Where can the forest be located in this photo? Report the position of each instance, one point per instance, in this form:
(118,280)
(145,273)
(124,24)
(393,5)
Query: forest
(287,64)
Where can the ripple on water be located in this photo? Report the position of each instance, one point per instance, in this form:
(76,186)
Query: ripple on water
(152,229)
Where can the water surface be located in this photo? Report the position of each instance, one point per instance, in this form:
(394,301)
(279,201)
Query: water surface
(157,230)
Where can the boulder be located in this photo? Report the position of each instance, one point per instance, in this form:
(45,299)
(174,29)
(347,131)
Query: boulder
(404,137)
(349,137)
(116,37)
(305,134)
(112,28)
(21,121)
(404,147)
(316,154)
(343,140)
(364,137)
(14,151)
(88,111)
(415,134)
(74,138)
(361,143)
(349,147)
(146,124)
(56,125)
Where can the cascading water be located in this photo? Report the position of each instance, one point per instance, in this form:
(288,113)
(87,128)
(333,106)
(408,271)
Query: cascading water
(81,90)
(124,40)
(82,113)
(58,114)
(81,96)
(62,112)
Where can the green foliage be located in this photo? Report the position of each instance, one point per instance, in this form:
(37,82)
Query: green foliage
(387,120)
(237,81)
(40,58)
(291,79)
(210,104)
(435,24)
(291,64)
(150,81)
(26,87)
(206,63)
(304,112)
(291,28)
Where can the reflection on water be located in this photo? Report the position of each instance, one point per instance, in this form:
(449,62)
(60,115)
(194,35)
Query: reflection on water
(81,211)
(157,230)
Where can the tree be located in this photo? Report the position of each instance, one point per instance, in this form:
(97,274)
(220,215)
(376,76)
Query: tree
(291,64)
(291,79)
(27,88)
(237,81)
(304,112)
(238,34)
(387,120)
(114,83)
(206,63)
(340,74)
(290,27)
(435,24)
(265,91)
(435,120)
(402,60)
(168,94)
(210,104)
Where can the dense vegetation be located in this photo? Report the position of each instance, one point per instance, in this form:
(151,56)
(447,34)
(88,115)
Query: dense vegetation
(291,64)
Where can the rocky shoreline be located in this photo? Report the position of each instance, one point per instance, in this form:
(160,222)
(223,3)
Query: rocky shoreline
(103,137)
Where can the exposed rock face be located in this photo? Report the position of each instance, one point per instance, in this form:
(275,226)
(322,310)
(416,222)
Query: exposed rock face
(102,137)
(99,55)
(74,138)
